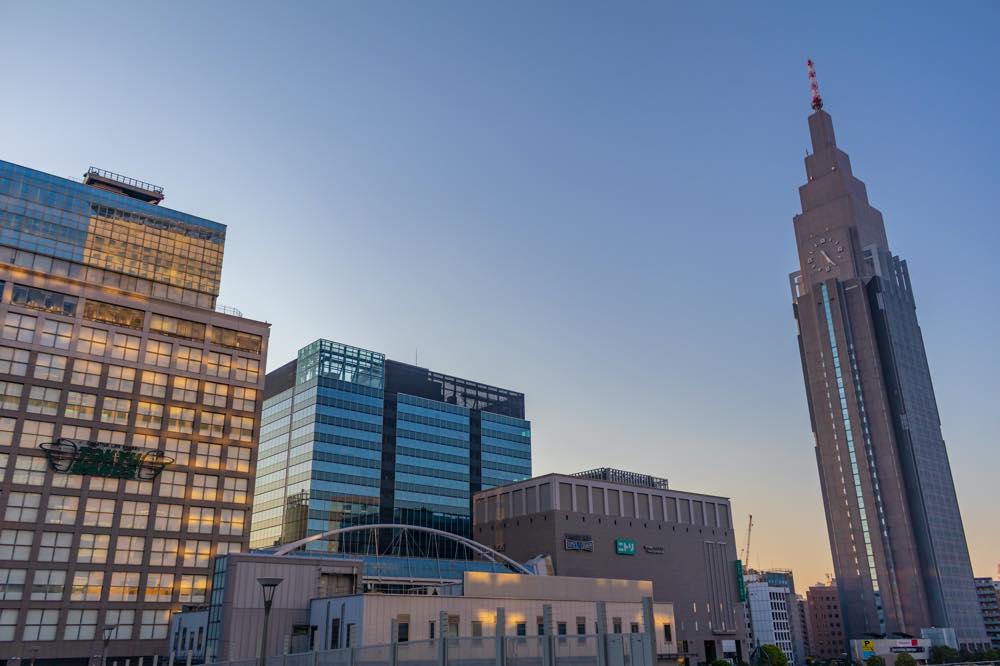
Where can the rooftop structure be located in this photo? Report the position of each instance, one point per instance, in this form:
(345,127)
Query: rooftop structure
(613,475)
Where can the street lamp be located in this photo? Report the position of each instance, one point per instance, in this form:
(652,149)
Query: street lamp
(109,631)
(268,586)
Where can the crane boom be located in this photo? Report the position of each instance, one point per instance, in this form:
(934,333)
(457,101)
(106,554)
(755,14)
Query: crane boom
(746,545)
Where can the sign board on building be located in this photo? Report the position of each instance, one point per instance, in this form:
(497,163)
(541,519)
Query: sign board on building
(653,550)
(117,461)
(741,585)
(583,542)
(868,648)
(905,649)
(624,547)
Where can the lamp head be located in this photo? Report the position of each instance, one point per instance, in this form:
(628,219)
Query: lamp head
(268,585)
(109,631)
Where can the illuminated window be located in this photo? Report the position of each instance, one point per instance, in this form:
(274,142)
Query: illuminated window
(211,424)
(244,399)
(163,552)
(226,547)
(218,365)
(241,428)
(56,334)
(115,410)
(29,470)
(154,623)
(19,327)
(99,512)
(178,449)
(134,516)
(12,584)
(129,549)
(185,389)
(209,455)
(44,400)
(234,490)
(153,384)
(192,588)
(119,315)
(34,433)
(172,483)
(204,487)
(81,625)
(158,353)
(15,545)
(215,394)
(40,625)
(136,487)
(197,553)
(121,379)
(237,459)
(104,485)
(201,520)
(148,415)
(180,420)
(93,548)
(159,587)
(48,585)
(50,367)
(13,361)
(54,546)
(179,328)
(125,347)
(168,517)
(22,507)
(80,405)
(86,373)
(10,395)
(93,341)
(247,370)
(231,521)
(87,586)
(189,359)
(124,586)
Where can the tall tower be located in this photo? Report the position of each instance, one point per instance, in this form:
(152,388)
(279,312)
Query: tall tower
(895,529)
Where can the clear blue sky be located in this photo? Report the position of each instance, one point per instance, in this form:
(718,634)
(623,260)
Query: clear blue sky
(587,202)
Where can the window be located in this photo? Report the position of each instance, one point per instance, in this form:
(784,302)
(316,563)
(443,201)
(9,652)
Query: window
(129,549)
(40,625)
(168,517)
(148,415)
(62,510)
(10,395)
(103,485)
(124,586)
(146,441)
(13,361)
(180,420)
(29,470)
(34,433)
(158,353)
(19,327)
(226,337)
(93,341)
(215,394)
(56,334)
(15,545)
(561,628)
(634,628)
(4,459)
(247,370)
(477,628)
(185,389)
(42,299)
(125,347)
(48,585)
(22,507)
(226,547)
(178,328)
(93,548)
(154,384)
(153,624)
(218,365)
(231,521)
(403,629)
(122,621)
(159,587)
(99,512)
(135,487)
(172,484)
(616,624)
(55,547)
(134,516)
(541,625)
(163,552)
(241,428)
(43,400)
(12,584)
(209,455)
(668,634)
(522,629)
(119,315)
(211,424)
(8,621)
(80,405)
(233,490)
(192,588)
(115,410)
(237,459)
(121,379)
(189,359)
(50,367)
(201,520)
(178,449)
(86,373)
(87,586)
(204,487)
(581,626)
(197,553)
(244,399)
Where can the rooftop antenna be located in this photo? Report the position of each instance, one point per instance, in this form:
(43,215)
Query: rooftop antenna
(817,101)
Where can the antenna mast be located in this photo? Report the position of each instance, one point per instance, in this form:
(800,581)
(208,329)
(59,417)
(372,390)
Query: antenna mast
(817,101)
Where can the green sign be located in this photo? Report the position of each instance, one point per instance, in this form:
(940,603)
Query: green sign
(76,456)
(624,547)
(741,585)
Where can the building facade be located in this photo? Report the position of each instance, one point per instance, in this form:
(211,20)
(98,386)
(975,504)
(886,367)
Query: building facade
(988,592)
(350,437)
(826,632)
(612,524)
(128,419)
(896,535)
(772,613)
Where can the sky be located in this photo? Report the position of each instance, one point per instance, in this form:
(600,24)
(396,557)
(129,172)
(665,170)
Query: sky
(590,203)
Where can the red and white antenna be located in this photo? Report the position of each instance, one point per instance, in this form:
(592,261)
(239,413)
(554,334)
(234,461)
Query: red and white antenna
(817,101)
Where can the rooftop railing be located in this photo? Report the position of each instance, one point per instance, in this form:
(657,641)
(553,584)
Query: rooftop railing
(125,180)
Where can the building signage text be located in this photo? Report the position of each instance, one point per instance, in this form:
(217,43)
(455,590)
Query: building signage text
(117,461)
(653,550)
(583,542)
(624,547)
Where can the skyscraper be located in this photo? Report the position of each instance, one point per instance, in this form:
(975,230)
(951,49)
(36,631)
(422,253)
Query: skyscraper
(128,415)
(895,529)
(350,437)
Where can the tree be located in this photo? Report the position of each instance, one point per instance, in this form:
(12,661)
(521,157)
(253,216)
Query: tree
(905,659)
(721,662)
(942,654)
(874,660)
(773,655)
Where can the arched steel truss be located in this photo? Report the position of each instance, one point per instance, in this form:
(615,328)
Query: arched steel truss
(479,549)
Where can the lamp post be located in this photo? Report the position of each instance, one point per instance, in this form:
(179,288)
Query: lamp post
(268,586)
(34,653)
(109,631)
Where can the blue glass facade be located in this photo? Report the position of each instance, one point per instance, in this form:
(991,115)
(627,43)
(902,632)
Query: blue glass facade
(349,437)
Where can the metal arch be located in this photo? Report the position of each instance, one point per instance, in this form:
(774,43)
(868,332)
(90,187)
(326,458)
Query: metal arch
(475,546)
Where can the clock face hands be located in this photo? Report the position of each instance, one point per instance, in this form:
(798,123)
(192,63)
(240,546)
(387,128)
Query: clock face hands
(820,247)
(827,257)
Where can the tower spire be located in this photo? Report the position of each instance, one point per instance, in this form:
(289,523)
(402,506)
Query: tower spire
(817,101)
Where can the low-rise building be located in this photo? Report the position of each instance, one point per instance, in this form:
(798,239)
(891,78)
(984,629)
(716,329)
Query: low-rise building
(826,633)
(770,613)
(988,592)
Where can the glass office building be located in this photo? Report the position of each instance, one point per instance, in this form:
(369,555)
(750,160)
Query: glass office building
(129,410)
(349,437)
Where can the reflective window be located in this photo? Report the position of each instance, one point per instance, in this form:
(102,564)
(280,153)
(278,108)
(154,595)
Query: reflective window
(56,334)
(19,327)
(50,367)
(119,315)
(121,379)
(40,299)
(179,328)
(13,361)
(92,341)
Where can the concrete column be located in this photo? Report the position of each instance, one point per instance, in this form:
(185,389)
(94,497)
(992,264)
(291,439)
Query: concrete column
(442,645)
(602,634)
(649,620)
(393,639)
(548,653)
(500,635)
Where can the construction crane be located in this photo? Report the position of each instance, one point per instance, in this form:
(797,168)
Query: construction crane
(746,545)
